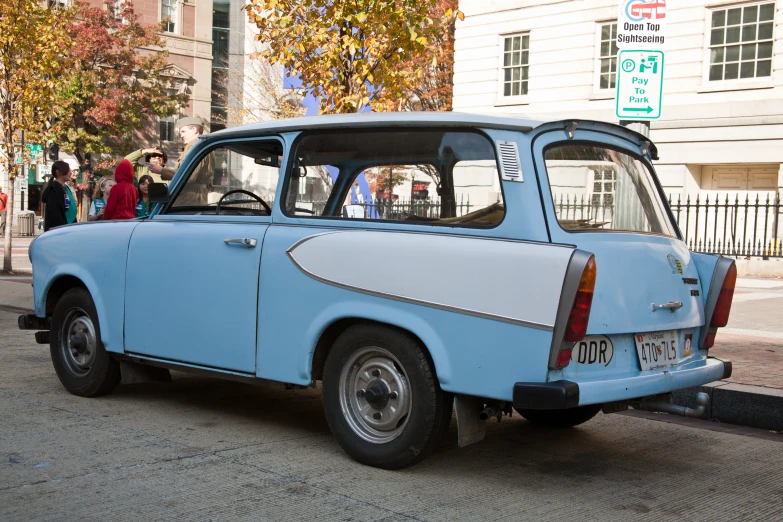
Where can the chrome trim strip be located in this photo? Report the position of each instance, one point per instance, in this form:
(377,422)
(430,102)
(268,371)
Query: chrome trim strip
(410,300)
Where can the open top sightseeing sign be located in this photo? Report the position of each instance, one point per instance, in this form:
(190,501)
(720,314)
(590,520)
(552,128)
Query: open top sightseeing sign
(641,24)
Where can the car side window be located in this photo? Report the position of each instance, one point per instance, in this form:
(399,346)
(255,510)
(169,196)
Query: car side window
(237,178)
(414,175)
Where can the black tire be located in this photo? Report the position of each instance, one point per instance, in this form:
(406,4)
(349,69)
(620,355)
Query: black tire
(417,433)
(561,418)
(83,367)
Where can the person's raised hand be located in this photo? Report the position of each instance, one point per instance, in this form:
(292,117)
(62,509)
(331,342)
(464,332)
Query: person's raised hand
(157,169)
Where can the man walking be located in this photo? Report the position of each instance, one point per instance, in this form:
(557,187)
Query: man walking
(195,192)
(3,213)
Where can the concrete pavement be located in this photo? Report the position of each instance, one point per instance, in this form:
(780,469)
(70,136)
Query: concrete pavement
(204,449)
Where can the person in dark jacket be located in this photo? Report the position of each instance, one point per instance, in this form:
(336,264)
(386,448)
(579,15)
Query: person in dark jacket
(56,198)
(123,195)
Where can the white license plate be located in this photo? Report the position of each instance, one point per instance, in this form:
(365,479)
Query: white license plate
(657,349)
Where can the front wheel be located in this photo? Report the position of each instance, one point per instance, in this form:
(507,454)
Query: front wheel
(382,399)
(79,358)
(561,418)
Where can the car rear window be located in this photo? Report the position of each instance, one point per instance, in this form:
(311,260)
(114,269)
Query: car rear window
(595,188)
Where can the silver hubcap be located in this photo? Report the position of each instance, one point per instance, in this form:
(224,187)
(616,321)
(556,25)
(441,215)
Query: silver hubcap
(375,395)
(78,342)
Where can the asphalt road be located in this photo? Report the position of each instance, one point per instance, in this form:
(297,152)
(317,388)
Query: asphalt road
(204,449)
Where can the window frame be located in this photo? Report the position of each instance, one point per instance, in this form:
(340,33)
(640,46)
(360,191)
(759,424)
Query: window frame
(597,90)
(755,82)
(190,166)
(174,20)
(290,161)
(656,185)
(500,98)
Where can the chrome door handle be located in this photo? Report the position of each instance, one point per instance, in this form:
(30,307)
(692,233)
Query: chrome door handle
(249,242)
(672,306)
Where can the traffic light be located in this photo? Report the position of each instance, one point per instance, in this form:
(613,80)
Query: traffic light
(54,152)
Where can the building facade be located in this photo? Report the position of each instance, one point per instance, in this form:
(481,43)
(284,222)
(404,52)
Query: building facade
(722,120)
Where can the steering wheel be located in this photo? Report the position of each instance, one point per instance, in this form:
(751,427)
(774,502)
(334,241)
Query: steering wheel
(247,193)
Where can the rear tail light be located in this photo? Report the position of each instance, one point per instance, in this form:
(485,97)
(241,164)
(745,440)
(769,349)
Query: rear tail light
(720,316)
(576,328)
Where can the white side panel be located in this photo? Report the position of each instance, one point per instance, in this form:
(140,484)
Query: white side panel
(510,281)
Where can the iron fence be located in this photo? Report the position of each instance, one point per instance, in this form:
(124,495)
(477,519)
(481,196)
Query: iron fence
(398,209)
(734,225)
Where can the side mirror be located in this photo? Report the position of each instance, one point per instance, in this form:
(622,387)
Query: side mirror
(158,192)
(353,211)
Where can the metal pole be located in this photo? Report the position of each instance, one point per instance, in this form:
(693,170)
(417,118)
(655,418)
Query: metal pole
(642,127)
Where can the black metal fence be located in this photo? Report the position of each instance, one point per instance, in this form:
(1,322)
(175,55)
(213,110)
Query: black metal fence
(734,225)
(398,209)
(730,225)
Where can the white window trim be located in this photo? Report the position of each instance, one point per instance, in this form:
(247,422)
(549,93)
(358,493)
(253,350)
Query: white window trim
(503,101)
(740,84)
(598,93)
(177,17)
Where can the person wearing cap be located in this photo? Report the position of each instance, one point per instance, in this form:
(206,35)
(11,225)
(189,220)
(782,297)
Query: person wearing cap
(154,161)
(3,210)
(195,191)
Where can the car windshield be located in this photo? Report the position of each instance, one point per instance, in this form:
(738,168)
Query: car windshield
(600,189)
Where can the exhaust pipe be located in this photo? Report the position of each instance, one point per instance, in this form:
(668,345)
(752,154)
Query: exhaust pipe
(702,400)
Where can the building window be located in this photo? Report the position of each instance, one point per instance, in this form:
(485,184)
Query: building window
(168,129)
(516,55)
(608,56)
(221,10)
(741,42)
(168,12)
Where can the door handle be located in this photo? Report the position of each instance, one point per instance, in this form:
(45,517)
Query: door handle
(672,306)
(248,242)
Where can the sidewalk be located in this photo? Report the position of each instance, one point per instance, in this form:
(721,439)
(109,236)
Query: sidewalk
(19,260)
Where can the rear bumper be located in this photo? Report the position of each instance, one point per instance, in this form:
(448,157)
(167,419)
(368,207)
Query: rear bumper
(558,395)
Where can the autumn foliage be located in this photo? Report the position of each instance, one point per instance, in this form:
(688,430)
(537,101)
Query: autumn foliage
(350,55)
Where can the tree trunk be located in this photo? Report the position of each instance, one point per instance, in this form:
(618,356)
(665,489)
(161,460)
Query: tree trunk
(9,217)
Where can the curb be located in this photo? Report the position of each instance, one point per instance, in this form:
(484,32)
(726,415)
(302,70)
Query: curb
(743,404)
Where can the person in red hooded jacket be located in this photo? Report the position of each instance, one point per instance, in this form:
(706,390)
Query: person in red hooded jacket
(123,195)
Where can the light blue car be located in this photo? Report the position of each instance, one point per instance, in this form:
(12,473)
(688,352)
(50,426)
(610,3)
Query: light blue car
(413,263)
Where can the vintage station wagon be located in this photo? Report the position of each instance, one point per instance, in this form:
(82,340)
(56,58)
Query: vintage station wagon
(413,263)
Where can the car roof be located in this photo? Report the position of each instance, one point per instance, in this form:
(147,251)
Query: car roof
(384,119)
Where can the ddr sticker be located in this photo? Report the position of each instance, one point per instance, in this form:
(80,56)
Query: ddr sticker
(593,349)
(686,350)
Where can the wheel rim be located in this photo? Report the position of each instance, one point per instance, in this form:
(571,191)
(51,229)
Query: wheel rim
(375,395)
(78,342)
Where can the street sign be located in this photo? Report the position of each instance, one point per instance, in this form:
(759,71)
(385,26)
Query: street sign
(639,85)
(641,24)
(43,170)
(34,149)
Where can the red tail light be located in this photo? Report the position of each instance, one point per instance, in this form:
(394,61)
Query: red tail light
(720,316)
(576,329)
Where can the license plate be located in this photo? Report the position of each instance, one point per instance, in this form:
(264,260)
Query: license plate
(657,349)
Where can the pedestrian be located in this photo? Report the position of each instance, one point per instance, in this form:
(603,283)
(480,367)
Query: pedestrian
(144,206)
(123,195)
(73,212)
(100,197)
(154,161)
(3,210)
(56,197)
(196,190)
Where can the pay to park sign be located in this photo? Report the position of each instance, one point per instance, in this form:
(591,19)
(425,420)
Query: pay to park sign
(639,84)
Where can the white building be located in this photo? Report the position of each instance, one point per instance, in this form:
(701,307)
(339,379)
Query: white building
(722,120)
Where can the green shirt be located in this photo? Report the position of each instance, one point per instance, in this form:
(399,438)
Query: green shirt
(141,170)
(72,211)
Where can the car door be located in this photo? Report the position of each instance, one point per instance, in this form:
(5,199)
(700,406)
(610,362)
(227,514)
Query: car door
(193,268)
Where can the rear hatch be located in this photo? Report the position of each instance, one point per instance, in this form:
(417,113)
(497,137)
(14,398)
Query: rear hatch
(601,194)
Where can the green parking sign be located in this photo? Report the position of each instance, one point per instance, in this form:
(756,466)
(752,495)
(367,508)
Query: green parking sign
(639,85)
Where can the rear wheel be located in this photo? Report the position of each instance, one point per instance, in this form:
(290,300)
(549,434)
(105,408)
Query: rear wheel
(78,355)
(382,399)
(561,418)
